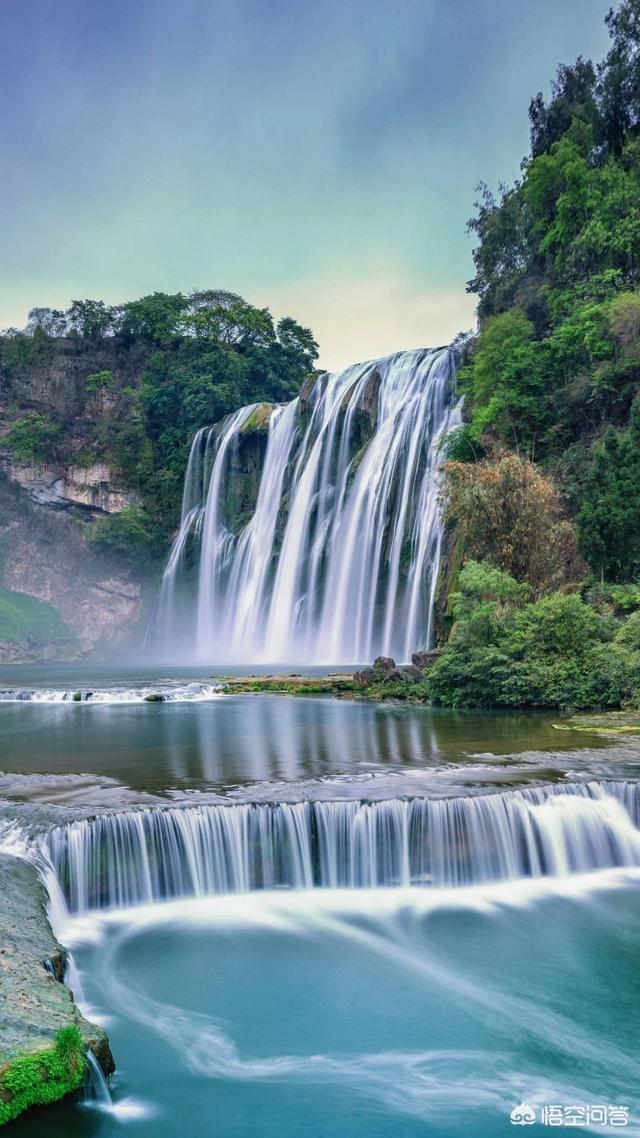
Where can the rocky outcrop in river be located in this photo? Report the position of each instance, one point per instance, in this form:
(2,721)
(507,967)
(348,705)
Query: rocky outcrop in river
(43,1035)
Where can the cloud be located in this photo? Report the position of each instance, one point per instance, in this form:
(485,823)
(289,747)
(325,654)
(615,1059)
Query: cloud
(363,312)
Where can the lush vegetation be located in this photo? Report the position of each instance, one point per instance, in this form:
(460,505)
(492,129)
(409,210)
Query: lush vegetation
(542,483)
(44,1077)
(151,372)
(558,651)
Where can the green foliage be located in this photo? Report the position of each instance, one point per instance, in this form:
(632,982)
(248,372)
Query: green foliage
(99,380)
(90,318)
(506,383)
(44,1077)
(24,619)
(129,532)
(20,352)
(176,363)
(154,319)
(32,438)
(609,518)
(479,582)
(557,651)
(556,366)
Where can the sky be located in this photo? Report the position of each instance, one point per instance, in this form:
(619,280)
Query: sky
(318,158)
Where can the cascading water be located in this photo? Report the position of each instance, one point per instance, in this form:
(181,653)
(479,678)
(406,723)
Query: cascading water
(118,860)
(331,553)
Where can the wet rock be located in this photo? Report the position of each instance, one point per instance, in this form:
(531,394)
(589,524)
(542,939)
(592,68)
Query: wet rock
(365,678)
(411,672)
(34,1004)
(384,664)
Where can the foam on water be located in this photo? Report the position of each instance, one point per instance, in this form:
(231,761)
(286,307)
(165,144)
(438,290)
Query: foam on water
(161,692)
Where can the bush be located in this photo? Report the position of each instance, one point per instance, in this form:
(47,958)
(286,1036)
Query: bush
(33,438)
(130,532)
(556,652)
(100,380)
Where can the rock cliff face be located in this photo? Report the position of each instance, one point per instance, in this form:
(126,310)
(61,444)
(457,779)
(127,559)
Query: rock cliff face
(45,554)
(47,508)
(91,488)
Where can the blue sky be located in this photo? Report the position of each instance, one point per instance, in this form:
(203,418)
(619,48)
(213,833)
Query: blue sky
(317,158)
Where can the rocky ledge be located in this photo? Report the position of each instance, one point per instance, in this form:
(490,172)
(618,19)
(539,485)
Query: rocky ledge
(43,1035)
(384,670)
(383,680)
(89,488)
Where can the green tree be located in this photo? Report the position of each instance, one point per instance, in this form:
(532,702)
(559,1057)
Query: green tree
(609,518)
(506,382)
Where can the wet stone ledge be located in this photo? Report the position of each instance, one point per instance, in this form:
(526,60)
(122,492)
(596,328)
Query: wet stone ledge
(43,1035)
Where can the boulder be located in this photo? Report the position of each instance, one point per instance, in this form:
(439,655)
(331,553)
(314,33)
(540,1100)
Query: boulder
(365,678)
(426,659)
(384,664)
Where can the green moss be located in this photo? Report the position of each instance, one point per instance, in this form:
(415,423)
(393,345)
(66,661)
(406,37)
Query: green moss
(77,696)
(153,697)
(291,685)
(604,723)
(258,420)
(44,1077)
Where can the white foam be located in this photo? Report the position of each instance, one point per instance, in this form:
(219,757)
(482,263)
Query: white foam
(164,693)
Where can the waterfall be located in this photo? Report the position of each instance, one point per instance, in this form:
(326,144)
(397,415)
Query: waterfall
(118,860)
(96,1088)
(311,532)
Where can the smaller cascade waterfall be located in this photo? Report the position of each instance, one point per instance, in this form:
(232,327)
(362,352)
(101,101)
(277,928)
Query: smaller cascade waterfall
(119,860)
(311,531)
(96,1088)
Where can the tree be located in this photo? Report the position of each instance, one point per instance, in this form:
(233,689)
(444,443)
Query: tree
(91,318)
(155,319)
(225,317)
(507,384)
(609,518)
(572,97)
(510,514)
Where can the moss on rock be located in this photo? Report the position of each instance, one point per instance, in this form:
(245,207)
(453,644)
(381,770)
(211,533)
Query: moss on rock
(43,1035)
(43,1076)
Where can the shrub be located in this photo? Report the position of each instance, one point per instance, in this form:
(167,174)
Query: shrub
(33,438)
(557,651)
(130,532)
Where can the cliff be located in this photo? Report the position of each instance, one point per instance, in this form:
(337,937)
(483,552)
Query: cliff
(98,408)
(91,598)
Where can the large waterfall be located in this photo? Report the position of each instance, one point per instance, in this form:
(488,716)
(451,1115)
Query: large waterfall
(311,532)
(119,860)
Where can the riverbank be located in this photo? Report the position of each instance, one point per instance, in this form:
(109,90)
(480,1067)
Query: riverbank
(43,1035)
